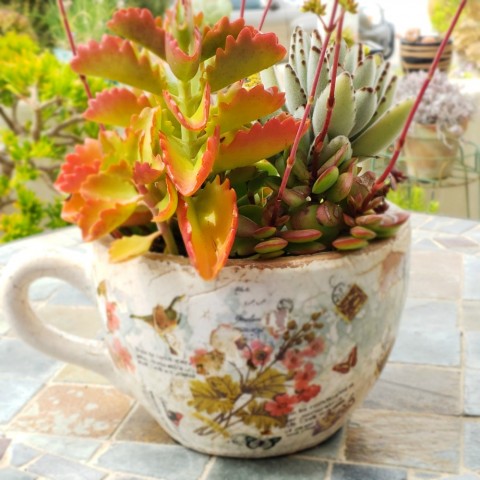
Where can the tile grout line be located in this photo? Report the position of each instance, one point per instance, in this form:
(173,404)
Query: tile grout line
(208,468)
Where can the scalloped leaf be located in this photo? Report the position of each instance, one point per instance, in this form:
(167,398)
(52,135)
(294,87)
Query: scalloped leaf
(83,161)
(198,120)
(168,205)
(138,25)
(183,66)
(239,106)
(188,175)
(115,59)
(258,142)
(216,36)
(126,248)
(115,107)
(144,173)
(208,223)
(249,53)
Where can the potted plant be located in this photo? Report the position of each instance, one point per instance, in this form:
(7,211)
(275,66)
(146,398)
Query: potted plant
(433,141)
(250,274)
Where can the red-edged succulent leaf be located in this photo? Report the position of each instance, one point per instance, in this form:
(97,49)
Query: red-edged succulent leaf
(115,107)
(144,173)
(183,65)
(239,106)
(208,223)
(126,248)
(109,201)
(83,161)
(215,37)
(138,24)
(168,205)
(117,149)
(245,55)
(188,174)
(115,59)
(198,120)
(258,142)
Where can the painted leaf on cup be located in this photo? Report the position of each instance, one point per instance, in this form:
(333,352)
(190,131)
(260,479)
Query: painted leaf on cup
(115,107)
(268,384)
(83,161)
(188,175)
(115,59)
(260,141)
(239,106)
(208,223)
(256,416)
(245,55)
(126,248)
(140,26)
(216,36)
(198,120)
(215,394)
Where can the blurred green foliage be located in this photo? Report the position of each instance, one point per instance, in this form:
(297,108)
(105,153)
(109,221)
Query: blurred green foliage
(413,198)
(41,101)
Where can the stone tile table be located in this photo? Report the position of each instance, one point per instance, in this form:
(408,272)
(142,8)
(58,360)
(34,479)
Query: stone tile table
(421,421)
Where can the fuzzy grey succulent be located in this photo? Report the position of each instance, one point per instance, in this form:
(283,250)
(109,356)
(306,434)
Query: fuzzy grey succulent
(443,103)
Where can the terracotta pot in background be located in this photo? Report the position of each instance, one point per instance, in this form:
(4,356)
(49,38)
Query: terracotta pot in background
(418,54)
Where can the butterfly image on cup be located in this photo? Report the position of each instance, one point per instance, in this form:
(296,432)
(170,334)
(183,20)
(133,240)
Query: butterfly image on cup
(254,443)
(345,366)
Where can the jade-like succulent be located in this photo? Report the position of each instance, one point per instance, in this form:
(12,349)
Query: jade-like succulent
(205,159)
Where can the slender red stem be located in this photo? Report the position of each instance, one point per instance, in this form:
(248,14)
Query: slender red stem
(401,139)
(265,12)
(242,8)
(73,47)
(331,97)
(306,113)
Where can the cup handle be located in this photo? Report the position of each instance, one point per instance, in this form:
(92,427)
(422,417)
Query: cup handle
(19,274)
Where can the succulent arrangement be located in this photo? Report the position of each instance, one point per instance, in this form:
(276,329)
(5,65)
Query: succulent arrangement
(202,158)
(443,104)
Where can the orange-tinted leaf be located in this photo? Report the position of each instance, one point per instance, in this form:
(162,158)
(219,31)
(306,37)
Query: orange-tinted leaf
(83,161)
(98,217)
(115,59)
(138,25)
(168,205)
(239,106)
(189,174)
(260,141)
(118,149)
(215,37)
(208,223)
(249,53)
(144,173)
(198,120)
(126,248)
(71,207)
(115,107)
(183,66)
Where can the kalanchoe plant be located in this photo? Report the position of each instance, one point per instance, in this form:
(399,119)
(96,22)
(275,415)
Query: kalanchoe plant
(213,166)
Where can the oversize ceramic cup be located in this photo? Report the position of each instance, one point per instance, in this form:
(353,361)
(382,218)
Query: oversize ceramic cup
(268,359)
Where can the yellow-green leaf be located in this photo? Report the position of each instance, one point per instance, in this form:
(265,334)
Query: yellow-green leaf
(126,248)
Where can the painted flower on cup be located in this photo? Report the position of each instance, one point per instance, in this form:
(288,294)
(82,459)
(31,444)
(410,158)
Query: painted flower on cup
(314,348)
(113,322)
(121,356)
(282,405)
(293,359)
(258,353)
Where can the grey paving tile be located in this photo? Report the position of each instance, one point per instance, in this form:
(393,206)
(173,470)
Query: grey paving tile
(419,219)
(471,315)
(4,326)
(471,288)
(472,343)
(286,468)
(436,275)
(362,472)
(404,440)
(458,243)
(449,225)
(426,244)
(168,462)
(67,295)
(472,392)
(58,468)
(15,394)
(472,446)
(428,333)
(19,360)
(329,449)
(22,454)
(417,389)
(12,474)
(75,448)
(425,476)
(466,476)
